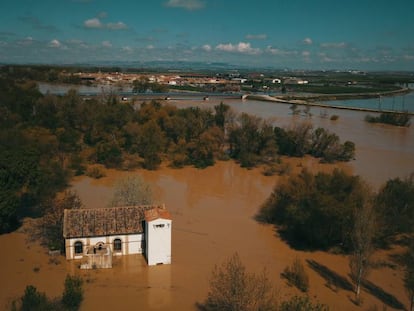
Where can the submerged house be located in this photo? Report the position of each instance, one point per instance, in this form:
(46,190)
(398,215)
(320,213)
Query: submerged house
(95,235)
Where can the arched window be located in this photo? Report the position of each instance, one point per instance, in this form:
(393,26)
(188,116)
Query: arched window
(78,247)
(117,245)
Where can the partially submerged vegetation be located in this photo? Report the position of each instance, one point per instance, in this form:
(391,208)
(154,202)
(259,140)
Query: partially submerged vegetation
(393,118)
(320,211)
(33,300)
(46,138)
(340,213)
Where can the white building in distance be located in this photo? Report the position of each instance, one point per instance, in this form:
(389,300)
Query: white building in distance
(95,235)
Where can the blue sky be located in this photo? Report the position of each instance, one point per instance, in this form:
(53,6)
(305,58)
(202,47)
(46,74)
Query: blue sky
(298,34)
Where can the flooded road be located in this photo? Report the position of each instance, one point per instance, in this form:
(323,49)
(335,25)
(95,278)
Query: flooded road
(213,216)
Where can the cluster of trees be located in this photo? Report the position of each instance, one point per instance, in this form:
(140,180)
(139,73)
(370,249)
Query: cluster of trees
(43,73)
(339,211)
(393,118)
(44,138)
(31,168)
(320,143)
(33,300)
(320,211)
(316,211)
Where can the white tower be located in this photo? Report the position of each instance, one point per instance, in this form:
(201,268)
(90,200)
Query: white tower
(158,236)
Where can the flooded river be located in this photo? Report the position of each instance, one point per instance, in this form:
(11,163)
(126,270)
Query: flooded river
(213,217)
(382,151)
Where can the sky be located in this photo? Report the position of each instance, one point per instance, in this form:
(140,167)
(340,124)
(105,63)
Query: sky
(294,34)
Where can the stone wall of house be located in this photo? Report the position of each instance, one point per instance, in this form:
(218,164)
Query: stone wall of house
(130,244)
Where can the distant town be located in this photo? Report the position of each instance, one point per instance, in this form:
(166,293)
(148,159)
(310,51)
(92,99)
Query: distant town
(220,80)
(234,81)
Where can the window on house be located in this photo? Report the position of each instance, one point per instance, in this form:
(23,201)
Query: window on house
(78,247)
(159,226)
(117,245)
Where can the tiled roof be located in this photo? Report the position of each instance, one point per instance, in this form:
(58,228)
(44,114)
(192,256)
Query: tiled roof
(156,213)
(105,221)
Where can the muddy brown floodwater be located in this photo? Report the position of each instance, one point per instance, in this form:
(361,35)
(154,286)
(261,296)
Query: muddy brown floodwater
(213,217)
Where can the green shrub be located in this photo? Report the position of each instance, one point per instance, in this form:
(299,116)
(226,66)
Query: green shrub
(73,293)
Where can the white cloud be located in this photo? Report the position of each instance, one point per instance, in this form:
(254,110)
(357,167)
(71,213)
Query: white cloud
(150,47)
(307,41)
(325,58)
(279,52)
(55,43)
(26,41)
(126,49)
(334,45)
(77,43)
(106,44)
(93,23)
(261,36)
(241,47)
(186,4)
(116,26)
(206,47)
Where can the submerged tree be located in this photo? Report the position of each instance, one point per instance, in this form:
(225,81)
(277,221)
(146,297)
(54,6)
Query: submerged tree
(51,225)
(395,205)
(130,191)
(315,211)
(220,115)
(362,243)
(233,288)
(409,274)
(73,293)
(33,300)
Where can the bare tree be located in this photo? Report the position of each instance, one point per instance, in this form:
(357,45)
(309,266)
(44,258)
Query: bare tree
(232,288)
(409,274)
(130,191)
(362,242)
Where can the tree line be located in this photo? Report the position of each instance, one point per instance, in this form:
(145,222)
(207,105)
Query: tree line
(46,138)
